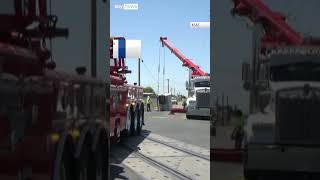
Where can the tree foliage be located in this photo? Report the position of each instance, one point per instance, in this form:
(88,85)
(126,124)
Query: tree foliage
(148,90)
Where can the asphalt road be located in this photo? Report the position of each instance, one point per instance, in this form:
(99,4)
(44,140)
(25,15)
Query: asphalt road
(195,132)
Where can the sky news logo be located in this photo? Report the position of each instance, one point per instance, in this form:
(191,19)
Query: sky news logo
(127,6)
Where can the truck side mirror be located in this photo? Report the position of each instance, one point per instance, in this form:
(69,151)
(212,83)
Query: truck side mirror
(246,75)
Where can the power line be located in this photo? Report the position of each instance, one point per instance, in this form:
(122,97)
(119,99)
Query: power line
(164,68)
(149,71)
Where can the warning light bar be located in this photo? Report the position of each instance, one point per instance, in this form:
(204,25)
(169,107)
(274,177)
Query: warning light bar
(123,48)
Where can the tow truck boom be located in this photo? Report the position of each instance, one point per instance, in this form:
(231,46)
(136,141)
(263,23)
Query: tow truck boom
(196,71)
(277,32)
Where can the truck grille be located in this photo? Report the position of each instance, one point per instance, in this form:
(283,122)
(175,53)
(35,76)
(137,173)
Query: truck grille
(297,116)
(203,98)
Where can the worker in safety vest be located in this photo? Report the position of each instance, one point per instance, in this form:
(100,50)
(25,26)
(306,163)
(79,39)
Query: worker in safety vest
(148,104)
(184,103)
(238,131)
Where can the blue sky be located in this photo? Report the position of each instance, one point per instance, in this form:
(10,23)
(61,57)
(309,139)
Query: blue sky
(164,18)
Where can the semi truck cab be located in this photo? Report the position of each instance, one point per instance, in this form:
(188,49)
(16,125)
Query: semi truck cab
(198,104)
(283,135)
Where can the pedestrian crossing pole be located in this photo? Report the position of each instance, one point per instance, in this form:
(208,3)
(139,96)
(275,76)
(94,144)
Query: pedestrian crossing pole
(168,86)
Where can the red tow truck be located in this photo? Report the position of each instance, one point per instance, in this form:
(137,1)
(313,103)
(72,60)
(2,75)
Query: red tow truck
(126,100)
(52,124)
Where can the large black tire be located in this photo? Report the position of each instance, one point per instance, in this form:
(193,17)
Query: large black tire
(250,176)
(142,113)
(132,118)
(66,170)
(117,133)
(138,120)
(101,162)
(83,169)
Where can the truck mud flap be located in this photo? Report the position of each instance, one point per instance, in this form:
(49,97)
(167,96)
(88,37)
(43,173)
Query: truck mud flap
(226,155)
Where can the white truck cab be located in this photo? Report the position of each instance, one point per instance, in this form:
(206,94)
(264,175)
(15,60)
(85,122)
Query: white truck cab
(198,104)
(284,135)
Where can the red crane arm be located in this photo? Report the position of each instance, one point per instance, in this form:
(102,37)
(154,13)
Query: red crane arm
(196,71)
(277,31)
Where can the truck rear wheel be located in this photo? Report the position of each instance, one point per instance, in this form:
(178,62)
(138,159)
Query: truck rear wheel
(250,177)
(117,133)
(101,163)
(142,114)
(64,170)
(132,118)
(65,167)
(138,120)
(83,171)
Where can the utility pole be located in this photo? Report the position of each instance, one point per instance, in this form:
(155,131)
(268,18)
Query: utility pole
(94,38)
(217,109)
(168,85)
(189,81)
(174,91)
(228,110)
(257,35)
(164,67)
(159,74)
(139,71)
(223,119)
(163,85)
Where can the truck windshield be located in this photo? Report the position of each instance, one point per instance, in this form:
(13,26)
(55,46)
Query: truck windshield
(296,72)
(7,7)
(202,84)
